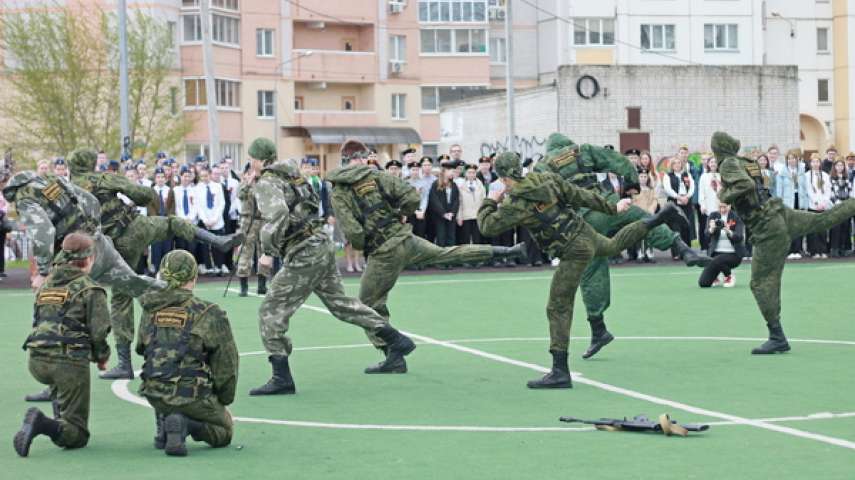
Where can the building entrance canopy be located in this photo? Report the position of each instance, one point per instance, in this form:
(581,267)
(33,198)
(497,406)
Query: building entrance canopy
(366,135)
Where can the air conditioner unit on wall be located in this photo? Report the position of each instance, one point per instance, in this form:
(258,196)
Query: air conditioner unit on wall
(496,14)
(395,67)
(396,7)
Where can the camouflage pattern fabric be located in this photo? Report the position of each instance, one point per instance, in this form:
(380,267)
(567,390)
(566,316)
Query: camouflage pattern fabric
(771,224)
(250,226)
(217,423)
(178,267)
(69,380)
(546,205)
(291,229)
(387,240)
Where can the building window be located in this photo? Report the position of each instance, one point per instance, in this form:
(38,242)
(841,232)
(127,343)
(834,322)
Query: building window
(594,31)
(228,93)
(633,118)
(720,37)
(264,42)
(822,90)
(822,40)
(454,41)
(348,103)
(430,99)
(224,4)
(265,104)
(173,100)
(398,48)
(298,103)
(658,37)
(434,97)
(233,151)
(446,11)
(399,106)
(192,28)
(430,150)
(225,29)
(498,50)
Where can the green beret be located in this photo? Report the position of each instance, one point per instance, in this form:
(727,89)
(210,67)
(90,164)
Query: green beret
(508,165)
(556,141)
(82,161)
(177,268)
(263,149)
(723,145)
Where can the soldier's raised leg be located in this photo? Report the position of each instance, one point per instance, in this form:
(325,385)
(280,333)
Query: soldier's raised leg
(801,223)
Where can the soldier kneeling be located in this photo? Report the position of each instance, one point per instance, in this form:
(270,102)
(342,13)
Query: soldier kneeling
(191,360)
(70,324)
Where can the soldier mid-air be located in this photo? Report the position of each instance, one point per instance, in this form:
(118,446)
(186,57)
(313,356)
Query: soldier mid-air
(580,165)
(547,206)
(772,227)
(291,229)
(132,233)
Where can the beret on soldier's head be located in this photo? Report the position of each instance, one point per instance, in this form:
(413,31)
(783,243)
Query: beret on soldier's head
(408,151)
(161,154)
(83,161)
(177,268)
(508,165)
(724,145)
(425,159)
(263,149)
(159,171)
(393,163)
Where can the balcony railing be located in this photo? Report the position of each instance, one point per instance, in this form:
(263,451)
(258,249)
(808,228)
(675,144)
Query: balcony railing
(335,66)
(335,118)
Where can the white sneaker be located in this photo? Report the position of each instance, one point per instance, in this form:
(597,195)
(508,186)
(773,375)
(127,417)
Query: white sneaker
(824,255)
(816,256)
(791,256)
(203,270)
(225,270)
(729,281)
(555,262)
(716,282)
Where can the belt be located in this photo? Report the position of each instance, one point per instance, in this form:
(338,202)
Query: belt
(192,392)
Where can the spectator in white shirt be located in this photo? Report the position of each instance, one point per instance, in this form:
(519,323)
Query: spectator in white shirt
(142,174)
(185,205)
(708,187)
(472,195)
(212,204)
(679,186)
(819,196)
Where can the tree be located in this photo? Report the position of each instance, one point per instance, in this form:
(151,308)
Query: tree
(64,85)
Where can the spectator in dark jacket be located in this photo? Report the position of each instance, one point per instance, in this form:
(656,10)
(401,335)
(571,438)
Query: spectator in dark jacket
(444,203)
(727,247)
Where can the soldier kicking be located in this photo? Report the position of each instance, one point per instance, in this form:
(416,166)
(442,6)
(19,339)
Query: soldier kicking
(292,229)
(547,206)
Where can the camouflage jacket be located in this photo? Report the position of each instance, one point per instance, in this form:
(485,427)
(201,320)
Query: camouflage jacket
(545,204)
(289,210)
(249,213)
(188,347)
(580,164)
(51,207)
(115,214)
(369,206)
(71,317)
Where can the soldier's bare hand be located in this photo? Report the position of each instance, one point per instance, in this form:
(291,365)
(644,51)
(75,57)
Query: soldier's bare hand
(497,195)
(623,205)
(265,265)
(37,281)
(102,365)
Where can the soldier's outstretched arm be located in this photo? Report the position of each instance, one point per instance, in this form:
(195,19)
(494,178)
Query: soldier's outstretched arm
(735,182)
(344,207)
(610,161)
(492,221)
(222,355)
(406,195)
(98,317)
(578,197)
(41,232)
(273,207)
(138,194)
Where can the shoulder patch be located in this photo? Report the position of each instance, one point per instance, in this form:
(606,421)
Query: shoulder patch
(52,191)
(52,296)
(365,187)
(753,169)
(544,206)
(298,181)
(172,317)
(563,159)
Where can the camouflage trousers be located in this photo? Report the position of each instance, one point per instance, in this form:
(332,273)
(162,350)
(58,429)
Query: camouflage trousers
(385,265)
(575,259)
(112,270)
(217,423)
(311,269)
(69,382)
(596,284)
(141,233)
(251,246)
(772,230)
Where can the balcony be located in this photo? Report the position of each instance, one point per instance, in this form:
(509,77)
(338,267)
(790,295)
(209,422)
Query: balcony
(335,66)
(335,118)
(346,10)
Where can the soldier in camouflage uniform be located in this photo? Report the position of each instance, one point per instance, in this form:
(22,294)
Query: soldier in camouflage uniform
(547,206)
(250,224)
(132,234)
(70,324)
(580,165)
(293,230)
(191,360)
(371,209)
(772,227)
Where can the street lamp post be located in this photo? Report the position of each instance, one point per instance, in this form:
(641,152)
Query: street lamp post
(276,102)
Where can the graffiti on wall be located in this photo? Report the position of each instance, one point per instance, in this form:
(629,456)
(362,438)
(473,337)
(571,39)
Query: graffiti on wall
(528,147)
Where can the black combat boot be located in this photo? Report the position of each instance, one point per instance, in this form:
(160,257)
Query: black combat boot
(690,256)
(398,346)
(159,432)
(281,383)
(670,214)
(777,342)
(600,336)
(262,285)
(517,252)
(176,428)
(244,287)
(43,396)
(223,243)
(35,424)
(558,377)
(123,369)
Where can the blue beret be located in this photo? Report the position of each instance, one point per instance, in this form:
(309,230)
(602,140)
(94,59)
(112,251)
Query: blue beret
(161,155)
(59,161)
(159,170)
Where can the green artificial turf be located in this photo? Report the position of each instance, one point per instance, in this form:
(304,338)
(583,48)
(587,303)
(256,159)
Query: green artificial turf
(500,314)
